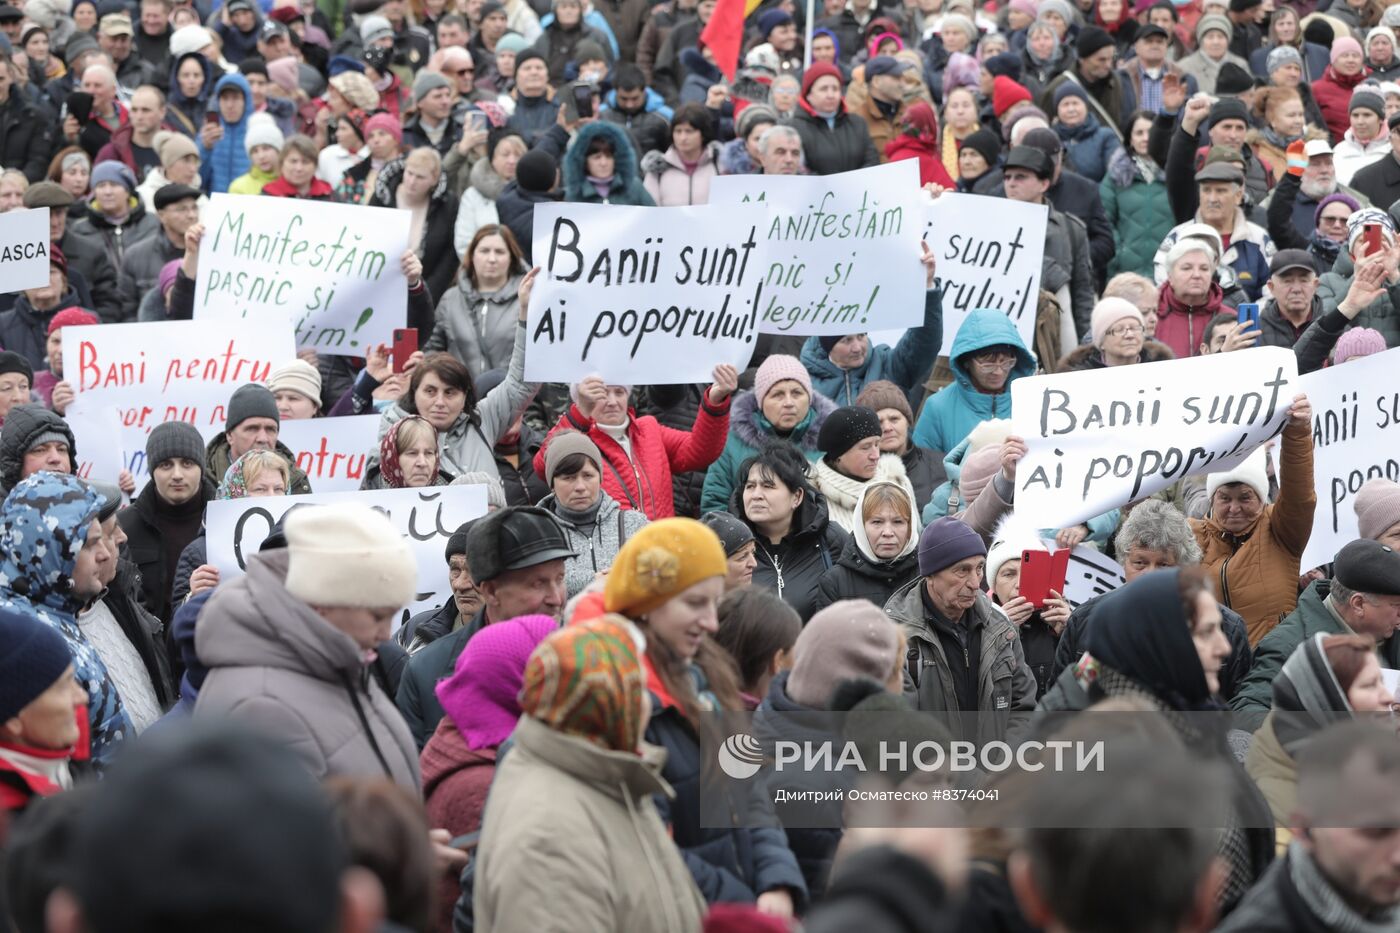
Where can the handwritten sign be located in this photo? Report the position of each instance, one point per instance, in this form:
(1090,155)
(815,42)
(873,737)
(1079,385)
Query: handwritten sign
(989,252)
(24,249)
(331,270)
(1101,438)
(1356,438)
(843,249)
(644,295)
(169,371)
(236,528)
(332,451)
(97,433)
(1091,573)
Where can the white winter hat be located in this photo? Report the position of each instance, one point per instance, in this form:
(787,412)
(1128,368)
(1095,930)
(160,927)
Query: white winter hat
(1012,537)
(1253,472)
(348,555)
(262,131)
(188,39)
(1110,311)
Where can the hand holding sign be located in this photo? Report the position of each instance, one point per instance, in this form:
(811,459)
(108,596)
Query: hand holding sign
(526,289)
(1012,450)
(930,265)
(1300,415)
(726,381)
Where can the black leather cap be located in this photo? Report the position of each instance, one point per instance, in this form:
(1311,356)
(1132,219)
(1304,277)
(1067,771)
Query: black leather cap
(513,539)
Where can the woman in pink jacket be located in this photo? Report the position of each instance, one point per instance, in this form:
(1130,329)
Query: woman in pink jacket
(681,175)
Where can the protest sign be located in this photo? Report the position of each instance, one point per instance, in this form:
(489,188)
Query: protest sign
(1356,438)
(332,451)
(989,252)
(330,270)
(1099,439)
(1091,573)
(97,435)
(844,249)
(644,295)
(24,249)
(169,371)
(235,528)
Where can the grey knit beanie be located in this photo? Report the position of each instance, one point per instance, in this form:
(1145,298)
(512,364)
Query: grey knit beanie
(251,401)
(174,439)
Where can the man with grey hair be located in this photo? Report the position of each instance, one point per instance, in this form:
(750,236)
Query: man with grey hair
(1362,598)
(1154,536)
(780,150)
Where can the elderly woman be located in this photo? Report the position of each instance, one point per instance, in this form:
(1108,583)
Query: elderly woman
(639,453)
(481,706)
(416,184)
(1189,298)
(297,178)
(1286,32)
(256,474)
(781,406)
(1328,679)
(1334,89)
(1043,57)
(1359,291)
(476,318)
(1038,627)
(668,580)
(41,713)
(851,460)
(1119,339)
(1252,549)
(880,555)
(597,528)
(409,458)
(574,809)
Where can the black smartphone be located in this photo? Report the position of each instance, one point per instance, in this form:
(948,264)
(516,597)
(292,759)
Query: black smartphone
(583,100)
(79,105)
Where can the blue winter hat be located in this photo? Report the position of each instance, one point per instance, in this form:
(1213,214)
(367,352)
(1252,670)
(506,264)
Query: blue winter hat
(115,172)
(34,657)
(1069,89)
(772,20)
(43,525)
(945,542)
(343,63)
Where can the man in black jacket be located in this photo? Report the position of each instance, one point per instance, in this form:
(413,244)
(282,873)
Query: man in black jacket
(24,133)
(1073,194)
(649,131)
(516,556)
(536,176)
(177,208)
(1380,181)
(93,280)
(1294,305)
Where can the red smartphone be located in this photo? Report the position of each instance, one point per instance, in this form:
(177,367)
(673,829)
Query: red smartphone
(405,345)
(1041,572)
(211,117)
(1371,236)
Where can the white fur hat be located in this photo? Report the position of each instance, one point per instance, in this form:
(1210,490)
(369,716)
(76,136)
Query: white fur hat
(187,39)
(1253,472)
(1012,537)
(348,555)
(46,12)
(993,431)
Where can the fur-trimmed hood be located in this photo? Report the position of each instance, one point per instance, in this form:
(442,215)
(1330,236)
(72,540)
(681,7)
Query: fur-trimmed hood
(486,181)
(576,158)
(748,424)
(1087,356)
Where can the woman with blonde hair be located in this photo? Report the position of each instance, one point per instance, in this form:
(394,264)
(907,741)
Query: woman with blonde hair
(256,474)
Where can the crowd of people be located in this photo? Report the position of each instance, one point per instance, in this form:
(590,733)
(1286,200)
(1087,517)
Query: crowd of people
(829,528)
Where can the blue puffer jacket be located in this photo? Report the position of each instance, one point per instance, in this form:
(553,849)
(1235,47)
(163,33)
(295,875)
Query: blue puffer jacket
(1089,146)
(626,185)
(951,413)
(45,522)
(904,364)
(228,159)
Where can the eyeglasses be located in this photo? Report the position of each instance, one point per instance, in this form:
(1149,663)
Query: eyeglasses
(994,361)
(1126,330)
(1333,221)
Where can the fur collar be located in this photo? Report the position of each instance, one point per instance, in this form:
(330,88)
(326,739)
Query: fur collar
(749,425)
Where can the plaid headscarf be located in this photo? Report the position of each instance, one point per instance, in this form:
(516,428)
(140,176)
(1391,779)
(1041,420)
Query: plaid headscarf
(235,484)
(389,452)
(586,681)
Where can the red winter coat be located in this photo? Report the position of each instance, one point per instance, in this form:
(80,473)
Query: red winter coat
(659,452)
(931,167)
(1333,95)
(455,782)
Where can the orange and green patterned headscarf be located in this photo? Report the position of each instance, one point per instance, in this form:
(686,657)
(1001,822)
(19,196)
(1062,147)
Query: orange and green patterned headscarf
(586,680)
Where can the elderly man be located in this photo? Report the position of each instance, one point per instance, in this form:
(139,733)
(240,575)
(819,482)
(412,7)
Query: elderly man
(965,660)
(780,150)
(883,108)
(1294,303)
(177,209)
(253,423)
(1154,536)
(1221,199)
(116,219)
(1362,598)
(1109,95)
(114,35)
(1295,208)
(516,559)
(1380,181)
(1144,73)
(1228,120)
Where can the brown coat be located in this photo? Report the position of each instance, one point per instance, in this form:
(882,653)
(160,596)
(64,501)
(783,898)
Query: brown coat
(882,129)
(1256,574)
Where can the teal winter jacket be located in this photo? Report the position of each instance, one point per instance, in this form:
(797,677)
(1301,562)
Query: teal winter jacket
(906,364)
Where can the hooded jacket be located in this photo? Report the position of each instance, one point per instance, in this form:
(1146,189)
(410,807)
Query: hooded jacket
(227,159)
(116,239)
(1256,574)
(188,112)
(282,669)
(905,364)
(952,412)
(749,432)
(568,822)
(595,544)
(794,566)
(1005,685)
(23,425)
(858,573)
(643,480)
(626,187)
(478,329)
(468,445)
(43,526)
(436,250)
